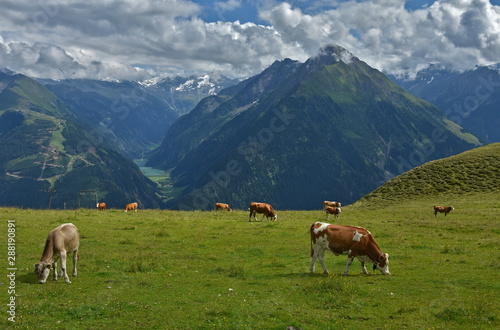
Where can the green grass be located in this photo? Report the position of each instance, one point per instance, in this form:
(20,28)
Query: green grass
(473,171)
(174,269)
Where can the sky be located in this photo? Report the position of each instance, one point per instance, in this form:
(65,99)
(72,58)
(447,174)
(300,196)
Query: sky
(141,39)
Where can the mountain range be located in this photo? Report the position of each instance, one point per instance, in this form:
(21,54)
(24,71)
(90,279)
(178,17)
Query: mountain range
(468,98)
(331,128)
(48,159)
(134,117)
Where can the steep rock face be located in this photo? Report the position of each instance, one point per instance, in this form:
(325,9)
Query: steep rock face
(43,149)
(332,129)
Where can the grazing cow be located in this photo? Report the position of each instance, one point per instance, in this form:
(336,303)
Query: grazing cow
(265,209)
(222,206)
(131,207)
(331,204)
(333,210)
(101,206)
(441,209)
(60,242)
(355,242)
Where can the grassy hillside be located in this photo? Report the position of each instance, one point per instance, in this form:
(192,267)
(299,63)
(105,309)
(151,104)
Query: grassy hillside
(174,269)
(473,171)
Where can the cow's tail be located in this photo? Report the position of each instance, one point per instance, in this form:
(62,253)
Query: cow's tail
(78,256)
(310,233)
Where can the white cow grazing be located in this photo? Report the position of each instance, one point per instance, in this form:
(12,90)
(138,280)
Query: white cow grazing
(61,241)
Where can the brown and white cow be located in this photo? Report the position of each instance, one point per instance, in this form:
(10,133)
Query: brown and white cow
(265,209)
(131,207)
(441,209)
(355,242)
(60,242)
(101,206)
(331,204)
(333,210)
(222,206)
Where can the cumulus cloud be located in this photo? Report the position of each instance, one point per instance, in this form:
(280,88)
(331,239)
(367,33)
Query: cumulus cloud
(127,39)
(456,34)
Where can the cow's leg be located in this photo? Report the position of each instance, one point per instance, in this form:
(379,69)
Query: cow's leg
(313,259)
(327,215)
(63,267)
(263,215)
(321,257)
(349,262)
(75,258)
(250,217)
(363,267)
(54,269)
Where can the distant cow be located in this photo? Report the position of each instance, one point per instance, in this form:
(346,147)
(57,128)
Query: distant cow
(60,242)
(333,210)
(355,242)
(441,209)
(331,204)
(222,206)
(131,207)
(101,206)
(265,209)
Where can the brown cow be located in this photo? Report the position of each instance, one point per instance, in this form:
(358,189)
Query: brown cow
(222,206)
(356,242)
(331,204)
(101,206)
(131,207)
(333,210)
(265,209)
(441,209)
(61,241)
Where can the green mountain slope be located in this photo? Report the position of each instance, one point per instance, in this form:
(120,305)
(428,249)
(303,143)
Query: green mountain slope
(473,171)
(213,112)
(334,129)
(42,147)
(470,98)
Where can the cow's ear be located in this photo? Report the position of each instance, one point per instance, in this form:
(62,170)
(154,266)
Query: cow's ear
(49,266)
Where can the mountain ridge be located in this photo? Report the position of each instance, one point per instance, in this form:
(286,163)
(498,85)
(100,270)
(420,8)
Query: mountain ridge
(329,130)
(468,98)
(43,148)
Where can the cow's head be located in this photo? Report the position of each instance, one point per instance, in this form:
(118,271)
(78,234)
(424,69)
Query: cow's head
(42,270)
(382,264)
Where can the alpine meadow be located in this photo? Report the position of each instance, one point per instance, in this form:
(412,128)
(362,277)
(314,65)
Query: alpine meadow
(264,164)
(207,269)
